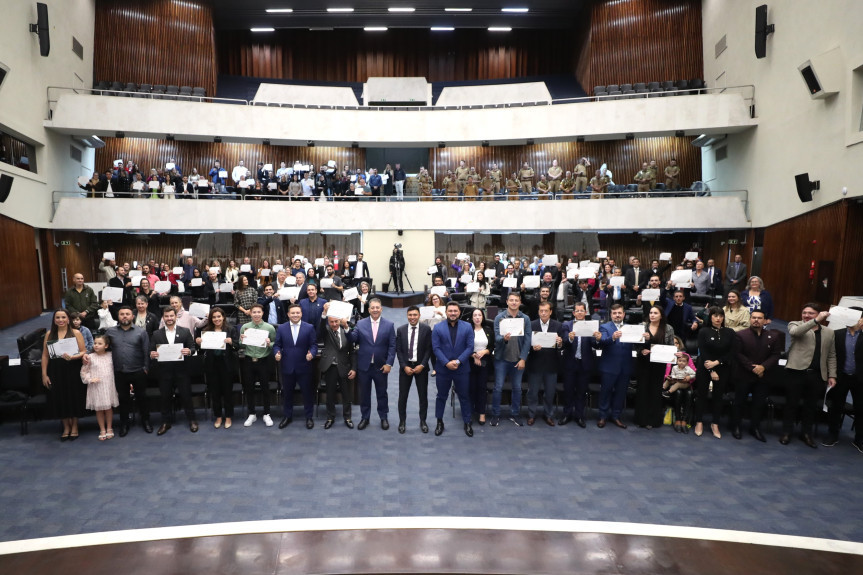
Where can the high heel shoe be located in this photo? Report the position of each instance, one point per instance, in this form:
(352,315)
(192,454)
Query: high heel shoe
(715,429)
(699,429)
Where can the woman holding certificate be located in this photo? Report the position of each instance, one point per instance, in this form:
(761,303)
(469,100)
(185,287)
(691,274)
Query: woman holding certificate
(712,369)
(218,341)
(648,394)
(62,350)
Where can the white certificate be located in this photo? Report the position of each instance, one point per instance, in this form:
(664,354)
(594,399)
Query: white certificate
(169,166)
(427,312)
(199,309)
(439,290)
(530,282)
(170,352)
(616,281)
(319,262)
(350,294)
(255,337)
(843,317)
(112,294)
(187,253)
(358,192)
(512,326)
(268,167)
(326,283)
(136,281)
(340,309)
(489,273)
(584,263)
(549,260)
(82,180)
(665,257)
(245,268)
(432,270)
(133,273)
(66,345)
(213,339)
(265,273)
(153,184)
(289,293)
(202,183)
(594,266)
(585,328)
(681,278)
(602,254)
(243,184)
(691,256)
(461,256)
(181,288)
(272,185)
(223,174)
(276,268)
(108,256)
(197,282)
(632,333)
(465,278)
(572,273)
(291,281)
(139,185)
(586,273)
(543,338)
(650,295)
(662,353)
(177,270)
(472,287)
(162,286)
(352,258)
(510,282)
(216,269)
(226,288)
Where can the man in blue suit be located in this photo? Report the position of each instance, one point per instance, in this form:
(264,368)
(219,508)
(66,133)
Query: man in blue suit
(452,342)
(296,346)
(615,367)
(376,337)
(578,364)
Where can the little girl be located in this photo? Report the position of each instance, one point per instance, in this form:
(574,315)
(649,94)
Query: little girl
(680,376)
(98,373)
(105,319)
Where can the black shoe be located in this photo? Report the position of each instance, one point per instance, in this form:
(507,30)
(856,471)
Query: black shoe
(163,429)
(468,430)
(516,420)
(286,421)
(401,426)
(124,429)
(329,423)
(736,432)
(805,438)
(146,425)
(385,424)
(193,427)
(830,441)
(310,423)
(439,428)
(481,421)
(857,446)
(363,424)
(564,420)
(424,426)
(580,422)
(495,421)
(349,424)
(756,433)
(785,439)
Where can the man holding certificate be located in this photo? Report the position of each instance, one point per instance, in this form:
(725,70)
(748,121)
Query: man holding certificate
(580,337)
(615,367)
(257,364)
(512,337)
(296,347)
(543,363)
(170,346)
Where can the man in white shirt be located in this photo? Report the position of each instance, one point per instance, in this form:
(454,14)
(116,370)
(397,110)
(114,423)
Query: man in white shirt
(308,186)
(239,173)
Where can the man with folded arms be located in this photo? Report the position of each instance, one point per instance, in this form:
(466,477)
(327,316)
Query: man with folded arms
(295,348)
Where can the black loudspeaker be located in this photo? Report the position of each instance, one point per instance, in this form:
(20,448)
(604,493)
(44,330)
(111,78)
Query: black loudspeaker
(805,187)
(762,30)
(3,72)
(811,80)
(41,29)
(5,187)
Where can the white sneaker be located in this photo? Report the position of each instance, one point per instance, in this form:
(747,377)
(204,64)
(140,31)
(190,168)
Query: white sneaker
(268,421)
(250,420)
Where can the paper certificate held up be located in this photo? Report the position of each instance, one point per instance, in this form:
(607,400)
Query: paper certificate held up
(662,353)
(546,339)
(439,290)
(691,256)
(199,309)
(585,328)
(289,293)
(326,283)
(472,287)
(213,339)
(513,326)
(530,282)
(843,317)
(170,352)
(681,278)
(616,281)
(510,282)
(650,295)
(112,294)
(632,333)
(226,288)
(665,257)
(177,270)
(255,337)
(602,254)
(350,294)
(66,345)
(162,287)
(340,309)
(291,281)
(432,270)
(246,268)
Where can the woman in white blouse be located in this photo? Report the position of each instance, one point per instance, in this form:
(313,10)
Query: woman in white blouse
(483,345)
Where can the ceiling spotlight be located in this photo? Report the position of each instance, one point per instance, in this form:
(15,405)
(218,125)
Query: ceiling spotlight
(630,136)
(485,144)
(340,9)
(217,140)
(514,10)
(529,142)
(442,28)
(402,9)
(279,10)
(441,144)
(266,142)
(375,28)
(169,137)
(580,139)
(263,29)
(499,29)
(119,134)
(310,143)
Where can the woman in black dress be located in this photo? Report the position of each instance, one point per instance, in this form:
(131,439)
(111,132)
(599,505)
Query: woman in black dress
(220,367)
(648,394)
(713,367)
(61,375)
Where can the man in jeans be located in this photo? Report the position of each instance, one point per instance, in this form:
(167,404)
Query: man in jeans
(510,357)
(130,348)
(257,365)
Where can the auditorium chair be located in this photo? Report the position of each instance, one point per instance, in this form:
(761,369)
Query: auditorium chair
(158,91)
(171,92)
(682,85)
(199,92)
(615,94)
(100,86)
(185,92)
(13,391)
(197,385)
(696,84)
(612,88)
(116,87)
(599,89)
(599,95)
(625,87)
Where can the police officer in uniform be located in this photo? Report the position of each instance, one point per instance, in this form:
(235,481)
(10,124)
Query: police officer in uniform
(567,184)
(496,176)
(581,175)
(426,184)
(555,173)
(599,185)
(451,186)
(525,176)
(543,187)
(513,187)
(642,178)
(461,173)
(487,185)
(654,170)
(672,175)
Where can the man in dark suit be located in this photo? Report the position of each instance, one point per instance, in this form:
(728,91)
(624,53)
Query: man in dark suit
(661,302)
(296,346)
(849,366)
(578,364)
(615,367)
(635,278)
(498,266)
(338,367)
(680,316)
(376,337)
(735,273)
(757,353)
(413,348)
(583,292)
(359,270)
(274,311)
(715,275)
(452,342)
(312,308)
(542,364)
(173,373)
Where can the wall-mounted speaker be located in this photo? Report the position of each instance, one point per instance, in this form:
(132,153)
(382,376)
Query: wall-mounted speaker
(823,74)
(762,30)
(4,69)
(40,28)
(805,187)
(5,187)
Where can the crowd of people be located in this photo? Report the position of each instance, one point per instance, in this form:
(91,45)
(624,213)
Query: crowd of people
(303,182)
(689,338)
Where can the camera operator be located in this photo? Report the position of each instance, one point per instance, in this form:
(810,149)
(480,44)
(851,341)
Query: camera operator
(397,267)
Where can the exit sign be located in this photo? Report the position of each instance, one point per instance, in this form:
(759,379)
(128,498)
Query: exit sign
(65,243)
(732,242)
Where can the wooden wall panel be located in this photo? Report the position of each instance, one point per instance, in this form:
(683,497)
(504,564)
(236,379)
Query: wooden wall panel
(148,154)
(155,42)
(354,55)
(21,298)
(624,157)
(645,41)
(850,269)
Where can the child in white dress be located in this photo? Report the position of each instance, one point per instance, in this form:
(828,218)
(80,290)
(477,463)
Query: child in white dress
(98,373)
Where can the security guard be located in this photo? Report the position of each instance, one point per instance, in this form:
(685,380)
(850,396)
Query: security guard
(642,178)
(525,176)
(555,173)
(461,173)
(567,184)
(581,175)
(672,175)
(599,185)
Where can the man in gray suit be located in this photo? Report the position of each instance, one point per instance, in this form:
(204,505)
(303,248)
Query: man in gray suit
(338,368)
(811,361)
(735,274)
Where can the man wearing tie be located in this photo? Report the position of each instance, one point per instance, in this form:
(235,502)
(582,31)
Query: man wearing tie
(578,363)
(452,342)
(542,364)
(296,346)
(615,367)
(413,348)
(636,279)
(376,337)
(735,274)
(338,367)
(715,275)
(662,301)
(173,373)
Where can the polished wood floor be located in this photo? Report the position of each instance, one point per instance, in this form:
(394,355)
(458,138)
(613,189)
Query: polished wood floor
(430,551)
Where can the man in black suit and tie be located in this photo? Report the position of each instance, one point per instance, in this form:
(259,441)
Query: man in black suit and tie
(635,278)
(173,373)
(542,363)
(578,364)
(849,364)
(413,348)
(715,275)
(338,368)
(735,273)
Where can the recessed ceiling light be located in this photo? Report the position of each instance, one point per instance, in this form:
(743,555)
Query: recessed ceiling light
(340,9)
(458,9)
(375,28)
(517,10)
(279,10)
(499,29)
(263,29)
(442,29)
(402,9)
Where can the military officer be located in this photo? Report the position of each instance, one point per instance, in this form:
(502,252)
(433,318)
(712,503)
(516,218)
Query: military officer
(461,173)
(672,175)
(567,184)
(513,187)
(581,175)
(525,176)
(599,185)
(555,173)
(642,178)
(496,176)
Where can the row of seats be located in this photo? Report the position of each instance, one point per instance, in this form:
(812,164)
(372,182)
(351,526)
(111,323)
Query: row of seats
(158,91)
(620,91)
(400,108)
